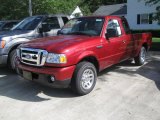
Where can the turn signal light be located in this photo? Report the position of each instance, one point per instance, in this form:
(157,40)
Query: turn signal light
(2,44)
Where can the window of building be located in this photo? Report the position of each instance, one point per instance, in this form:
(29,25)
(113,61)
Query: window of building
(144,19)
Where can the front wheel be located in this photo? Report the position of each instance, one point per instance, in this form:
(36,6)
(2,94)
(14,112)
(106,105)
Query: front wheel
(141,58)
(12,58)
(84,78)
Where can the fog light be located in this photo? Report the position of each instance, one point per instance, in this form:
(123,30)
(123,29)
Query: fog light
(52,79)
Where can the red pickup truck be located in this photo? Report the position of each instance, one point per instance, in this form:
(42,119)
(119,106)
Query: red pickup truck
(86,46)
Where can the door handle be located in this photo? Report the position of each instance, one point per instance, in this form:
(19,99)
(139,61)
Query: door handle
(99,46)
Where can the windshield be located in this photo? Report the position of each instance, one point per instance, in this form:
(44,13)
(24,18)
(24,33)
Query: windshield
(29,23)
(83,26)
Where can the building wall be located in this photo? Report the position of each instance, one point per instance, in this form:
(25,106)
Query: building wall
(135,7)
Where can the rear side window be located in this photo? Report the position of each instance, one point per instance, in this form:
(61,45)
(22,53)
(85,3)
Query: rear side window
(52,22)
(126,26)
(65,20)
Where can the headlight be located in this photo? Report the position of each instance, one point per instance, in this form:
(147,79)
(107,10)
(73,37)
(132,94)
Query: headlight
(2,43)
(56,58)
(18,52)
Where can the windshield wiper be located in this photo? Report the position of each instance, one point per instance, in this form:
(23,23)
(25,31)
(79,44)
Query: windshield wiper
(79,33)
(18,29)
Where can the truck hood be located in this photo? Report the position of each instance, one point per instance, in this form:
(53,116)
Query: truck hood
(62,43)
(15,34)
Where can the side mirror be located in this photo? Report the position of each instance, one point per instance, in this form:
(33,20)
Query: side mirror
(44,28)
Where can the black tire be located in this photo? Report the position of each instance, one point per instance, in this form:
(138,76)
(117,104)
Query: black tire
(80,86)
(12,58)
(141,58)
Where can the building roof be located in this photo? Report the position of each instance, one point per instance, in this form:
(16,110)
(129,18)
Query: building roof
(117,9)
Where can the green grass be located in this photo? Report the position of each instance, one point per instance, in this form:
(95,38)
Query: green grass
(155,44)
(155,39)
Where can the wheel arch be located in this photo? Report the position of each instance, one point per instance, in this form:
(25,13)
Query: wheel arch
(11,49)
(14,44)
(145,45)
(92,59)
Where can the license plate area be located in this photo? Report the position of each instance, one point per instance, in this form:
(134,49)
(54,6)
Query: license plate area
(27,75)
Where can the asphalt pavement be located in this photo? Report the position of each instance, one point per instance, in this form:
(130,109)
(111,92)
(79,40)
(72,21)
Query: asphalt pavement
(123,92)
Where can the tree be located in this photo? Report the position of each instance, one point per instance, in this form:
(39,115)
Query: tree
(13,9)
(18,9)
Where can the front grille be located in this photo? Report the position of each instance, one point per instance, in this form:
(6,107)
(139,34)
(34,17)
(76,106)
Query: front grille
(35,57)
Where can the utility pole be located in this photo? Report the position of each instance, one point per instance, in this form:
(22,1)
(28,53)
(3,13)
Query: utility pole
(30,7)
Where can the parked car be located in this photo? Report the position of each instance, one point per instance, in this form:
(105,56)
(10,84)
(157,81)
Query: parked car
(7,25)
(88,46)
(28,29)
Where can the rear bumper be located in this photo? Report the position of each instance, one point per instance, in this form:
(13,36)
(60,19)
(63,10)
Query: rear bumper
(3,60)
(43,75)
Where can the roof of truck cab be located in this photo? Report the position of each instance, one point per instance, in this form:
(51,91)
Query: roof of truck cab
(50,15)
(109,16)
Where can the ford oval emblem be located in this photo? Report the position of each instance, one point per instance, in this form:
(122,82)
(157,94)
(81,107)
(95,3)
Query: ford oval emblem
(28,56)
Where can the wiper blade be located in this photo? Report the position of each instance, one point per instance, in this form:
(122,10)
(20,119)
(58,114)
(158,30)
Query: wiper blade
(18,29)
(79,33)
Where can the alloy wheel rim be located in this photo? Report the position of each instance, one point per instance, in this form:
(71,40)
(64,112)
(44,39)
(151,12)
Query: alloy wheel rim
(143,55)
(87,79)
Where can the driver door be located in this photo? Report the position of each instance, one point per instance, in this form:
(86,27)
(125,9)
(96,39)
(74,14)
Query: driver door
(114,46)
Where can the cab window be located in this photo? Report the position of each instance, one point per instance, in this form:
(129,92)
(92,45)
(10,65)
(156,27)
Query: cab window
(113,28)
(65,20)
(52,22)
(126,26)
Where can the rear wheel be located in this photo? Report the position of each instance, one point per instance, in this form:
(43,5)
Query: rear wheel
(12,59)
(84,78)
(141,58)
